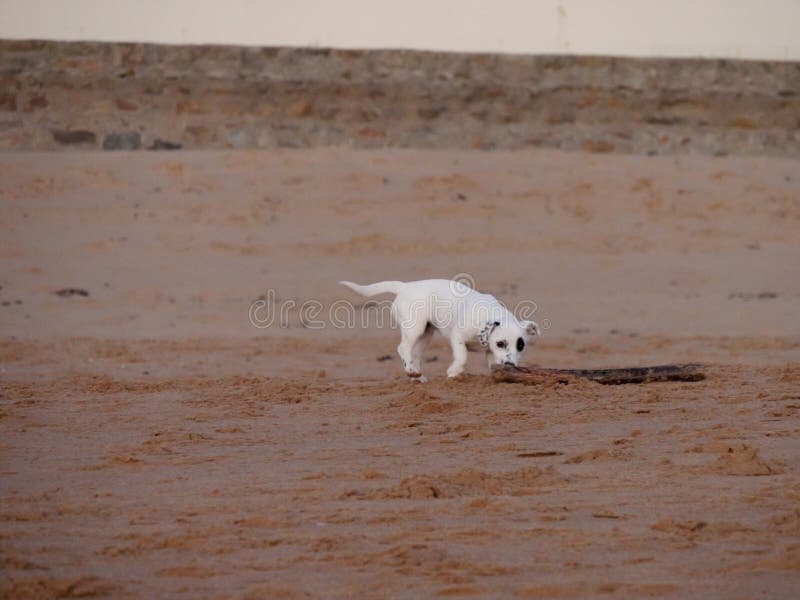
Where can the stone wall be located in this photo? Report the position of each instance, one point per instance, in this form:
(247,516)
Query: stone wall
(137,96)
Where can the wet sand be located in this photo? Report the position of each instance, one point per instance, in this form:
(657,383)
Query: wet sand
(155,443)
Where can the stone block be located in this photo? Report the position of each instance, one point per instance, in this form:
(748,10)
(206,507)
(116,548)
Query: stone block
(74,137)
(126,140)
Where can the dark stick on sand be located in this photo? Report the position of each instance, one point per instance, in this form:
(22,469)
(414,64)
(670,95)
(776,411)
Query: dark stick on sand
(688,372)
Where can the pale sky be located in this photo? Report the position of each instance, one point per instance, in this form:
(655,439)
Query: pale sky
(765,29)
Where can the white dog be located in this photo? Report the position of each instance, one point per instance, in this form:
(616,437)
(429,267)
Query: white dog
(471,321)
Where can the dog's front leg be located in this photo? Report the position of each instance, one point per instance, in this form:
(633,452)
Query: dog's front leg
(459,358)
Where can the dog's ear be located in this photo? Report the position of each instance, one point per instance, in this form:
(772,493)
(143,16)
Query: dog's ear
(483,334)
(531,327)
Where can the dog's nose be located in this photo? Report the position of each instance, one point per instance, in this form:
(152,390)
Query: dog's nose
(509,363)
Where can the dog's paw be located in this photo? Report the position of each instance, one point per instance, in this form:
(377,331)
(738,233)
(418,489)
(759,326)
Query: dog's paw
(420,379)
(455,372)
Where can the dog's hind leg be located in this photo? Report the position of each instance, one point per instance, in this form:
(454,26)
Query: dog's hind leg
(413,339)
(419,346)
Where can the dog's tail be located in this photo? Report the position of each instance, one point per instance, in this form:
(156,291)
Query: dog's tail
(382,287)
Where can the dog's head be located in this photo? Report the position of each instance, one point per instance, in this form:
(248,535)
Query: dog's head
(507,341)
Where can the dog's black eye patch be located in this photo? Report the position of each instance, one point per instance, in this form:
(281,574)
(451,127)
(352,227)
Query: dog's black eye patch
(520,344)
(501,344)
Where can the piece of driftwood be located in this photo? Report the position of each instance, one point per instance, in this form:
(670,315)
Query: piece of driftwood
(687,372)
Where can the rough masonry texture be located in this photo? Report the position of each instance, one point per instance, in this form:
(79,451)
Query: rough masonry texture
(113,96)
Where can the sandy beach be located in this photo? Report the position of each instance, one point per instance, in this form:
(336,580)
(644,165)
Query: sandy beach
(156,443)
